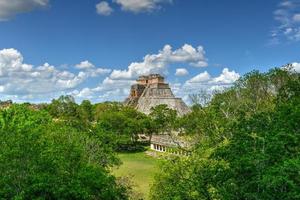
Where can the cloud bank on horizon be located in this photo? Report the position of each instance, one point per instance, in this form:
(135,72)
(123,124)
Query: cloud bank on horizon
(24,82)
(20,81)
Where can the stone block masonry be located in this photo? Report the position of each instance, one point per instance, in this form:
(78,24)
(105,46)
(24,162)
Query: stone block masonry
(151,91)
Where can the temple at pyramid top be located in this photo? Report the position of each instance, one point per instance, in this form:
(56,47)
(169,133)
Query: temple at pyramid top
(151,79)
(150,91)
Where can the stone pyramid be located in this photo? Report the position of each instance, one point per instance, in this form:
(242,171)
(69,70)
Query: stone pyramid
(151,91)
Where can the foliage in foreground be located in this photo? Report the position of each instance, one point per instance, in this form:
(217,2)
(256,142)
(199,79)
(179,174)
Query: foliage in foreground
(43,159)
(248,147)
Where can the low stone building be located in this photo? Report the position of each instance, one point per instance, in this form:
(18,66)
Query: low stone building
(165,143)
(5,104)
(150,91)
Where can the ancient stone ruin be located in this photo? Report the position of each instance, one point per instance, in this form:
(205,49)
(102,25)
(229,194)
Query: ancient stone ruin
(150,91)
(5,104)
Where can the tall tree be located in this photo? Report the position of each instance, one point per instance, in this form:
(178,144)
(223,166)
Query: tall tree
(86,111)
(164,118)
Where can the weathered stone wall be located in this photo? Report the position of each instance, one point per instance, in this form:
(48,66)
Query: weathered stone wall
(153,94)
(145,104)
(136,90)
(158,92)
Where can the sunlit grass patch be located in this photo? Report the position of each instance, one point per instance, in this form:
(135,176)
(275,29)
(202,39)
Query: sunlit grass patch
(140,167)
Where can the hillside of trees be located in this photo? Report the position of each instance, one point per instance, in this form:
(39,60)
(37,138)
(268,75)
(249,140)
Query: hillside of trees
(246,145)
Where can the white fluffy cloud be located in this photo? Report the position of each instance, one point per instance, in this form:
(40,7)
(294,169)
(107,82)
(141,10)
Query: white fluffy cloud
(158,63)
(202,77)
(137,6)
(292,67)
(134,6)
(204,81)
(9,8)
(90,70)
(287,16)
(181,72)
(103,8)
(226,77)
(85,93)
(85,65)
(22,80)
(296,67)
(108,89)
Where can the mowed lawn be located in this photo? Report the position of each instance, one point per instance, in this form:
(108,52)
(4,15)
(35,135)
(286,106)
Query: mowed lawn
(141,168)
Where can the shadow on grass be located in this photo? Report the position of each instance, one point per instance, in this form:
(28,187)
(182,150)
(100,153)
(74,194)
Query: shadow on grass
(135,147)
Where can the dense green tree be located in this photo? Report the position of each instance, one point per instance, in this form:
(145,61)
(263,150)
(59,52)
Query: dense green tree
(42,159)
(101,108)
(164,118)
(125,123)
(248,144)
(86,112)
(264,152)
(64,108)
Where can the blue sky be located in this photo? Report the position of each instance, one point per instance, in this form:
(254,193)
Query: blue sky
(95,49)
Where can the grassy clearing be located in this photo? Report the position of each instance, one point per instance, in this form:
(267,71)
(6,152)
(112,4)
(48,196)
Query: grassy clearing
(141,168)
